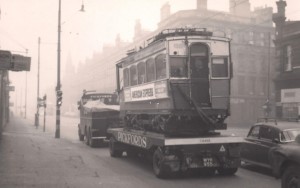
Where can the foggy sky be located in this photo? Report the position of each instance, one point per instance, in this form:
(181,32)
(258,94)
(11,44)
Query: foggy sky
(83,33)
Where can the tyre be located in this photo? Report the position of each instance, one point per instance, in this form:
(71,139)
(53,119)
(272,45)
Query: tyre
(227,171)
(86,137)
(112,148)
(92,143)
(158,164)
(80,135)
(291,177)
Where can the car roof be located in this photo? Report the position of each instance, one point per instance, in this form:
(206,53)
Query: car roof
(281,125)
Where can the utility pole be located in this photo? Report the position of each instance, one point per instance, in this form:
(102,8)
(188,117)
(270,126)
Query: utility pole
(38,87)
(26,90)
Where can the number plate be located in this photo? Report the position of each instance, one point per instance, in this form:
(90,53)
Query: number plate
(208,162)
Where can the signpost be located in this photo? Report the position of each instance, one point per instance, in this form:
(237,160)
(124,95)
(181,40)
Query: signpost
(20,63)
(5,60)
(14,62)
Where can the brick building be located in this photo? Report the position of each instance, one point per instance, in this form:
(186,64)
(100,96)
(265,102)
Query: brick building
(287,81)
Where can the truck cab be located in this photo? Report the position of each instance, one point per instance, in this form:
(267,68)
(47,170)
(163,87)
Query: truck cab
(98,112)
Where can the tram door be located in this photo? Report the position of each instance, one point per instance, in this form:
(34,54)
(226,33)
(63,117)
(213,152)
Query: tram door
(199,74)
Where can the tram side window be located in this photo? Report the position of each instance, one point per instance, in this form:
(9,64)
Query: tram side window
(126,77)
(178,67)
(160,64)
(141,73)
(133,75)
(150,70)
(219,67)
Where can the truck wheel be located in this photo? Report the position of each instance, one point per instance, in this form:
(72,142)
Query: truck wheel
(81,136)
(112,148)
(92,143)
(291,177)
(227,171)
(86,137)
(158,166)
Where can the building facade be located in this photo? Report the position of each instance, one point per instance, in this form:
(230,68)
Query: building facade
(287,81)
(252,51)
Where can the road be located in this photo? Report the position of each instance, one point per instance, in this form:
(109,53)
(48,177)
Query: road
(30,157)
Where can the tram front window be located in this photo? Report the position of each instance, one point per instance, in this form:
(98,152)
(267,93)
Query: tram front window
(178,67)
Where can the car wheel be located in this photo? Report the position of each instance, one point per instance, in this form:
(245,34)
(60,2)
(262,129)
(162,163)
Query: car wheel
(291,177)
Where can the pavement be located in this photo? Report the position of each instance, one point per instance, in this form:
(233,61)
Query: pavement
(30,157)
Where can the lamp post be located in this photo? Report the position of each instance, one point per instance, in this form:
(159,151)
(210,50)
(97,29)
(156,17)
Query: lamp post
(58,85)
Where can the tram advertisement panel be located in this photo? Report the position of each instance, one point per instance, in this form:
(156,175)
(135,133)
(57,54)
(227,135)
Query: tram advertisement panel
(146,92)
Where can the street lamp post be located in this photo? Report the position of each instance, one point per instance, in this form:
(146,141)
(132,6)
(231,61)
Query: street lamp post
(58,86)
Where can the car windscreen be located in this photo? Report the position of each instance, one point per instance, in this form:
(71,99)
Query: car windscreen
(107,99)
(289,135)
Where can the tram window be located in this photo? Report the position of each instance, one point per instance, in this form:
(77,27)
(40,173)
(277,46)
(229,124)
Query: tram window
(178,67)
(199,61)
(141,73)
(150,70)
(126,77)
(219,67)
(160,64)
(133,75)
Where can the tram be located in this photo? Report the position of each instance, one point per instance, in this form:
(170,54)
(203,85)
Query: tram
(179,84)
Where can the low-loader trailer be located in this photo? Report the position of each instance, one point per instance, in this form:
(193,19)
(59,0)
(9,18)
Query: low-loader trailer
(170,155)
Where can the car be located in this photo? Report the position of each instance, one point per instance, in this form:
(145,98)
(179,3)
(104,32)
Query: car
(285,163)
(264,137)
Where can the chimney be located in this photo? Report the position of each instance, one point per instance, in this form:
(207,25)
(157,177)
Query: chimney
(202,4)
(240,8)
(165,11)
(279,18)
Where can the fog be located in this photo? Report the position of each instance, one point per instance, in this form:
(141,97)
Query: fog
(82,34)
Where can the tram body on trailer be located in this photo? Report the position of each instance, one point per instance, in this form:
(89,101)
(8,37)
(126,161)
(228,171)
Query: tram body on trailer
(177,85)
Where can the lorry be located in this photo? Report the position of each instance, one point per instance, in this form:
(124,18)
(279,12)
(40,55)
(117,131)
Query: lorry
(98,111)
(174,96)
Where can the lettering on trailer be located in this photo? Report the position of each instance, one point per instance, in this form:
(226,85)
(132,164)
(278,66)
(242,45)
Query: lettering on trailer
(136,140)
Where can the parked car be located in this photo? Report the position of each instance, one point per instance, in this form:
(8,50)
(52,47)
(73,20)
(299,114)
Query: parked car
(267,135)
(286,163)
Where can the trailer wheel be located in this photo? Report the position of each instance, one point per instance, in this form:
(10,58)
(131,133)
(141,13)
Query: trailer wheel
(158,166)
(81,136)
(227,171)
(112,148)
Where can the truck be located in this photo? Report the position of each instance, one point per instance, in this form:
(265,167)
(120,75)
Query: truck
(98,111)
(174,97)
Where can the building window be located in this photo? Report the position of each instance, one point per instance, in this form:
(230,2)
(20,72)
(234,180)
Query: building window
(287,58)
